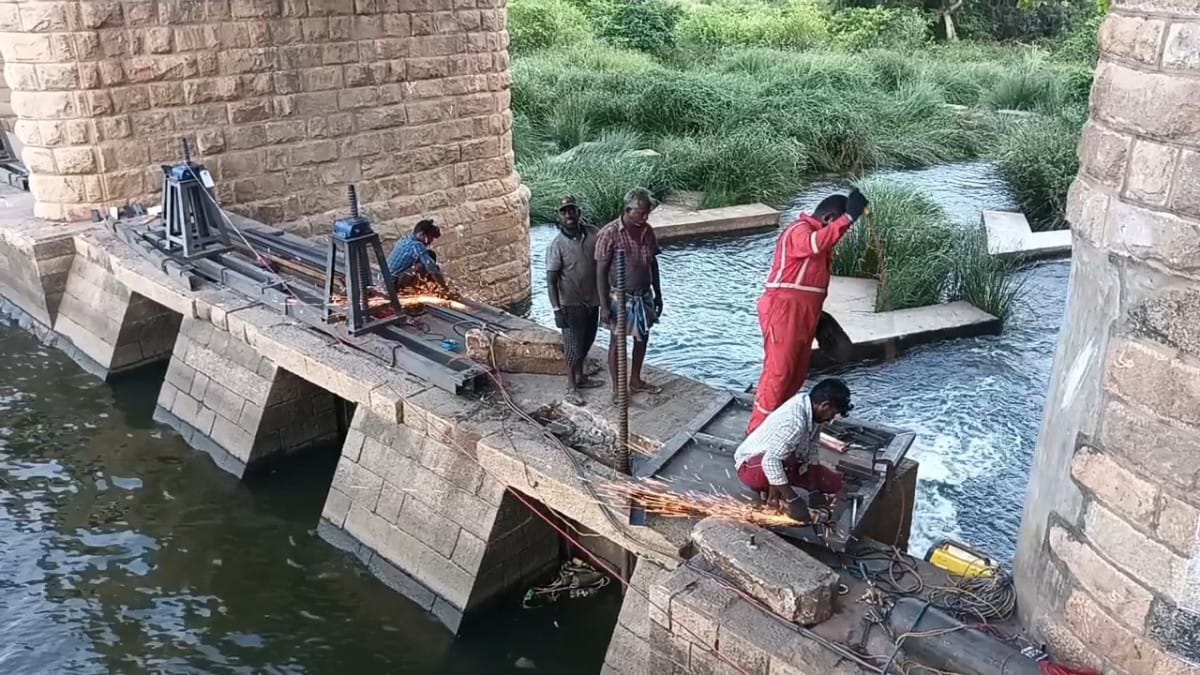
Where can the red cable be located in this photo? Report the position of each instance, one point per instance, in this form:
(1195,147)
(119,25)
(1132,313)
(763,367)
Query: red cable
(604,566)
(1051,668)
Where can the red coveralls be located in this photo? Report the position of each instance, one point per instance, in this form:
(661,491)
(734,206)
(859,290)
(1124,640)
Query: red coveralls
(790,309)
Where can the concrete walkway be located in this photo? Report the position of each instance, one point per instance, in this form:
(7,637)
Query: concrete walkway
(675,222)
(1009,236)
(865,333)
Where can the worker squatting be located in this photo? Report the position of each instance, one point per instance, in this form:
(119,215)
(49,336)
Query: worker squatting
(778,452)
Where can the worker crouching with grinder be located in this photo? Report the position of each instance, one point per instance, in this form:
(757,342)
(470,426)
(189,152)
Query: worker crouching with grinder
(413,262)
(781,454)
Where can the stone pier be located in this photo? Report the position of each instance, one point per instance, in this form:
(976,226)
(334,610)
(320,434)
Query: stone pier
(286,103)
(230,401)
(1108,559)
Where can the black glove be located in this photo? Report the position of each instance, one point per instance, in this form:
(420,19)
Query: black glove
(560,319)
(856,203)
(780,495)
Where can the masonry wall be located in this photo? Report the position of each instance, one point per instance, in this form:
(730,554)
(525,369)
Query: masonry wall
(428,521)
(1108,560)
(286,102)
(225,398)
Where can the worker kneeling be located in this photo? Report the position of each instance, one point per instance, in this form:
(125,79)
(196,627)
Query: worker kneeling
(782,452)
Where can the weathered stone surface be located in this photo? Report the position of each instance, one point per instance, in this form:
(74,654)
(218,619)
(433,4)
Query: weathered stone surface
(1150,172)
(1183,46)
(1118,593)
(1114,485)
(1154,235)
(1185,198)
(1134,38)
(1176,629)
(1154,378)
(1104,154)
(1102,633)
(1177,524)
(1160,448)
(1157,105)
(1134,552)
(281,88)
(524,351)
(1172,317)
(789,581)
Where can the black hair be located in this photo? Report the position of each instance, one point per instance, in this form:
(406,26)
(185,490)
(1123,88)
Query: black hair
(833,205)
(638,197)
(833,391)
(427,228)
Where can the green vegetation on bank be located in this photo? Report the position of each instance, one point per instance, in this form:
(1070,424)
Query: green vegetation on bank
(749,100)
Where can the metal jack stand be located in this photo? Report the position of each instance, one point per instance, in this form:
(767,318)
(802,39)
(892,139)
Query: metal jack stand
(356,241)
(192,221)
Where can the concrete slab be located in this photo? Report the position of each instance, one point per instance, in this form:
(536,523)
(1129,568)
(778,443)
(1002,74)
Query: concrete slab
(1009,236)
(785,578)
(871,334)
(675,222)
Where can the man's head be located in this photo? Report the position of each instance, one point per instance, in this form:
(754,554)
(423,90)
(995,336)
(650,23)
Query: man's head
(569,214)
(830,209)
(638,203)
(830,398)
(427,232)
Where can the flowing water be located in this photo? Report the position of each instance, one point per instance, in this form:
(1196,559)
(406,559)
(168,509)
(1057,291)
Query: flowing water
(126,551)
(975,403)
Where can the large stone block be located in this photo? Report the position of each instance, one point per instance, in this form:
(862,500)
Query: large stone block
(1154,235)
(1119,594)
(1150,172)
(1157,379)
(1182,49)
(1119,488)
(789,581)
(1162,449)
(1104,154)
(1134,38)
(1133,551)
(524,351)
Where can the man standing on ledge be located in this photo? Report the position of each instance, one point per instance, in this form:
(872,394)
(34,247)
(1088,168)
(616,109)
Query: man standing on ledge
(631,233)
(782,452)
(412,262)
(571,283)
(790,308)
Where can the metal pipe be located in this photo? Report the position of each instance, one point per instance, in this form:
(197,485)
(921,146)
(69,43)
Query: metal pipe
(622,368)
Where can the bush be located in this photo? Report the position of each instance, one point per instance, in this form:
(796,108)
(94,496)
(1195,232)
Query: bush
(1038,160)
(1028,88)
(797,24)
(598,173)
(644,25)
(538,24)
(1082,44)
(747,165)
(858,28)
(919,258)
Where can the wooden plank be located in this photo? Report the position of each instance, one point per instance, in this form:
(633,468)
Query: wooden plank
(675,443)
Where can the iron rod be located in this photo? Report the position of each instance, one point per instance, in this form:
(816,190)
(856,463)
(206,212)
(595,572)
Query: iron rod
(622,368)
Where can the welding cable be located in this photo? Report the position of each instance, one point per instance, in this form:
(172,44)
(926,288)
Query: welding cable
(991,598)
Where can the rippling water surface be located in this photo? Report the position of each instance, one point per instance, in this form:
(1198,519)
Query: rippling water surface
(124,551)
(975,403)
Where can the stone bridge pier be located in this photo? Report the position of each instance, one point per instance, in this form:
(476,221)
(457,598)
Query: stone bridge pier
(1108,561)
(286,102)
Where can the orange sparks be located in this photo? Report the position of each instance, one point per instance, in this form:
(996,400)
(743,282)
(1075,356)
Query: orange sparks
(418,300)
(657,497)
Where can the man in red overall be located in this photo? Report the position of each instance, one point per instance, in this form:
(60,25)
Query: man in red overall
(790,308)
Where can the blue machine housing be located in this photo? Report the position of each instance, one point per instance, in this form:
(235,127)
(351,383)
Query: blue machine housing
(352,227)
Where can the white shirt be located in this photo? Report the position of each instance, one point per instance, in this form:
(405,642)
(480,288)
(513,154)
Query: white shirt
(790,429)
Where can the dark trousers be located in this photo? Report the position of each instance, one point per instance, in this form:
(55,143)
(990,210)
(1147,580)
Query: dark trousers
(580,333)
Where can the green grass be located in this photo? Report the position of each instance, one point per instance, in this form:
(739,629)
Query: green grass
(1037,158)
(919,257)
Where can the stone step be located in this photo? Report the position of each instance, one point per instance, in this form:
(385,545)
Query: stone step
(678,223)
(1009,236)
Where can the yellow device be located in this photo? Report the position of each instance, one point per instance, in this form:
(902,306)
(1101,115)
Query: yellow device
(960,560)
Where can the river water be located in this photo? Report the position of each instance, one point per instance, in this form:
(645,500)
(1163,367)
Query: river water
(126,551)
(975,404)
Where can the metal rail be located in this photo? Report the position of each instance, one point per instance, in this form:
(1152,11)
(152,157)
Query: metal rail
(401,347)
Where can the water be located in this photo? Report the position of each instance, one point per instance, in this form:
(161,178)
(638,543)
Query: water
(975,404)
(126,551)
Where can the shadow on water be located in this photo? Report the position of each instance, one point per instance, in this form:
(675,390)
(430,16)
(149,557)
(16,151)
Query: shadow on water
(126,551)
(976,404)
